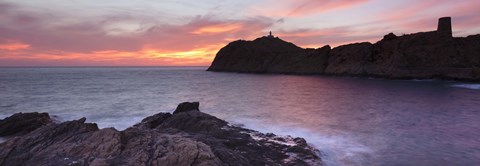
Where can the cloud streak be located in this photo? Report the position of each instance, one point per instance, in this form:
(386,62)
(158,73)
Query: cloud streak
(13,46)
(300,8)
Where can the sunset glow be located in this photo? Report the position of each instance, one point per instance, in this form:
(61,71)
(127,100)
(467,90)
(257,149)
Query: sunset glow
(218,29)
(189,33)
(13,46)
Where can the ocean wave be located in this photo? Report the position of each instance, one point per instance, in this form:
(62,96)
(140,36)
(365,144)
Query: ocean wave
(2,140)
(467,86)
(422,80)
(338,149)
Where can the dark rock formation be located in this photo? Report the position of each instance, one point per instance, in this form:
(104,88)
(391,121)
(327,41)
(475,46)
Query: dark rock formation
(22,123)
(424,55)
(187,106)
(270,55)
(389,36)
(188,137)
(349,59)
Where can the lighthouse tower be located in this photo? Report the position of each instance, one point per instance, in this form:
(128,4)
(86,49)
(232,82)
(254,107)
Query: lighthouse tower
(445,26)
(270,35)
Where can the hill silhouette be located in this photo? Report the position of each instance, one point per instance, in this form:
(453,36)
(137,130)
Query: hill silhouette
(423,55)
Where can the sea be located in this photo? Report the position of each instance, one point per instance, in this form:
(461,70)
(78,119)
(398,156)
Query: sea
(352,121)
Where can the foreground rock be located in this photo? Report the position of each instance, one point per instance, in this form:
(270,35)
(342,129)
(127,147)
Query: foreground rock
(187,137)
(23,123)
(424,55)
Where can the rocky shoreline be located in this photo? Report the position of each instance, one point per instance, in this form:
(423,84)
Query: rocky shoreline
(186,137)
(423,55)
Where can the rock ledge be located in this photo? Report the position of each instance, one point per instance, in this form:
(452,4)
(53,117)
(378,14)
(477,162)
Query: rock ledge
(186,137)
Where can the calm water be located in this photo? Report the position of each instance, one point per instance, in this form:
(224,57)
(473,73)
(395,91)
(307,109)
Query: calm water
(353,121)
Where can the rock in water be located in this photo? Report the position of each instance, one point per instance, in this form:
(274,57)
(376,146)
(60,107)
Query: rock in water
(187,137)
(187,106)
(23,123)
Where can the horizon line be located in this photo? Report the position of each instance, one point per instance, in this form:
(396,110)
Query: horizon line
(73,66)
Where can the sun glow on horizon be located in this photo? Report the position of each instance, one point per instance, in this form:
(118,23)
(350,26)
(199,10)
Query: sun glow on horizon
(146,57)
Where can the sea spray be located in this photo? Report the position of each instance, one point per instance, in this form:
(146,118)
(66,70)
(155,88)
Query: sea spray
(340,149)
(467,86)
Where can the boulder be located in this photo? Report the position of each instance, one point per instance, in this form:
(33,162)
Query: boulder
(187,106)
(23,123)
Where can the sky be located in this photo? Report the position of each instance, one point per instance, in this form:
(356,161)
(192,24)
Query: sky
(190,33)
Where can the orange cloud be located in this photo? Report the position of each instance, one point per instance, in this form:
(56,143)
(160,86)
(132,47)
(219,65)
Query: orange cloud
(219,28)
(335,36)
(12,46)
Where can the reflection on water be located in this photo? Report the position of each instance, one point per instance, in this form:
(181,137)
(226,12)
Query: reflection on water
(353,121)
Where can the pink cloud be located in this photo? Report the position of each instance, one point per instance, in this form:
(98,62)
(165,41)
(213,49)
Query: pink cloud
(327,36)
(88,40)
(123,37)
(308,7)
(422,16)
(195,34)
(299,8)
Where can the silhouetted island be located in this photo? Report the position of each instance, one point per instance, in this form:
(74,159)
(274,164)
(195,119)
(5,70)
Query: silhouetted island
(186,137)
(424,55)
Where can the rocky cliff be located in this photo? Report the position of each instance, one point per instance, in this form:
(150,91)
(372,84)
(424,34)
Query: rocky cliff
(186,137)
(424,55)
(270,55)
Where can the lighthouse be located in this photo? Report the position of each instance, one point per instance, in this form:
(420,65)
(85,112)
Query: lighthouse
(270,35)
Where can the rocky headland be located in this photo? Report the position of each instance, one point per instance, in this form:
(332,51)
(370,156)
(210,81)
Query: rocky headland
(186,137)
(423,55)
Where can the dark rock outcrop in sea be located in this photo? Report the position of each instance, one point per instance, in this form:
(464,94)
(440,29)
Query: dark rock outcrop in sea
(186,137)
(424,55)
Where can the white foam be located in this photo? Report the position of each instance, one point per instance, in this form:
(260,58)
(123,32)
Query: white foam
(2,140)
(467,86)
(291,157)
(341,149)
(57,119)
(120,123)
(336,149)
(422,80)
(283,140)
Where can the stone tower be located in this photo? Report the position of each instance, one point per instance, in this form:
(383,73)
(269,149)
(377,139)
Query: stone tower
(445,25)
